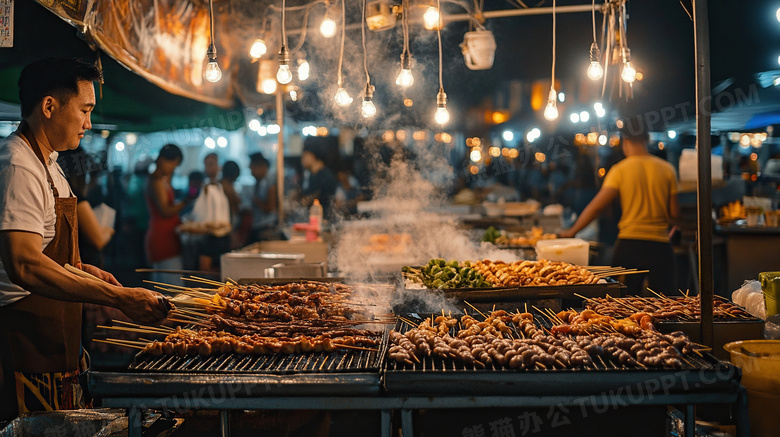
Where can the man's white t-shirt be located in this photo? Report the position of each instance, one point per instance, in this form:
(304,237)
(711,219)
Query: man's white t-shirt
(26,200)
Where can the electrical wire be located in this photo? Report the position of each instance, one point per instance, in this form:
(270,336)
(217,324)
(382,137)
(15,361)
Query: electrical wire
(552,83)
(405,26)
(593,12)
(211,21)
(438,34)
(363,31)
(284,33)
(343,28)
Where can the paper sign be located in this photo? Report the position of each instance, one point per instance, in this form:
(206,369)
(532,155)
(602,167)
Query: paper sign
(105,215)
(6,23)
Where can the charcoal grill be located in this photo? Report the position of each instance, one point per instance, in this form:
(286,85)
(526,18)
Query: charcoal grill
(439,375)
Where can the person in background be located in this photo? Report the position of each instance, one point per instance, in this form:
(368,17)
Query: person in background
(163,248)
(320,183)
(230,173)
(647,188)
(93,236)
(348,193)
(195,182)
(40,299)
(211,168)
(263,201)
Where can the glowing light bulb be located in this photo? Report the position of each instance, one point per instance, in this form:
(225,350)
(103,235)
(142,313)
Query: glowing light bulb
(342,97)
(551,110)
(368,109)
(629,73)
(327,27)
(284,74)
(442,115)
(303,69)
(431,18)
(595,71)
(213,73)
(405,78)
(268,85)
(258,49)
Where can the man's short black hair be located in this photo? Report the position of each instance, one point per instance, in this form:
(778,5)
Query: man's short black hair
(211,155)
(258,159)
(315,147)
(171,152)
(230,170)
(635,128)
(54,76)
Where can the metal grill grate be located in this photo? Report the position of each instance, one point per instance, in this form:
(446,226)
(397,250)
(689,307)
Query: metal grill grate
(437,364)
(322,362)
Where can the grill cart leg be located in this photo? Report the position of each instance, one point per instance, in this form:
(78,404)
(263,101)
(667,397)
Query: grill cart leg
(690,420)
(386,423)
(743,420)
(134,422)
(406,423)
(224,423)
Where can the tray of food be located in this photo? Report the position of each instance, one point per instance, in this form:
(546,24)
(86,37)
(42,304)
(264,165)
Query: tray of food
(499,280)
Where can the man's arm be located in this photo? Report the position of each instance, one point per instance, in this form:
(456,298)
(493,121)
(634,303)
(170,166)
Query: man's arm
(604,197)
(30,269)
(674,209)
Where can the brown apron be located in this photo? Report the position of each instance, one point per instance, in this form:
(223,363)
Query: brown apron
(40,335)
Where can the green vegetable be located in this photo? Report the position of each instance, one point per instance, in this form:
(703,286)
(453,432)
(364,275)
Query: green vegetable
(441,274)
(491,234)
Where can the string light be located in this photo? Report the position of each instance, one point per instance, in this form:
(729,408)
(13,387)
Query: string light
(303,69)
(432,18)
(551,110)
(595,71)
(367,108)
(342,96)
(213,72)
(284,75)
(628,74)
(441,116)
(258,49)
(327,27)
(405,78)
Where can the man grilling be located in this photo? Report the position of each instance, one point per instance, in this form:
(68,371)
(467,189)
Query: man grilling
(40,301)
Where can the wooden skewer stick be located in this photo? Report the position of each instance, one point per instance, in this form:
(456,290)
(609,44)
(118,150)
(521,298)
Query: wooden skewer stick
(135,342)
(162,328)
(475,309)
(189,322)
(143,331)
(118,344)
(360,348)
(203,281)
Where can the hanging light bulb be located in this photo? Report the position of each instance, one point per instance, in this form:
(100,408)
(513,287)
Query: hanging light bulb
(284,75)
(405,78)
(442,116)
(342,97)
(628,74)
(303,69)
(258,49)
(551,110)
(368,109)
(431,18)
(213,72)
(595,71)
(327,27)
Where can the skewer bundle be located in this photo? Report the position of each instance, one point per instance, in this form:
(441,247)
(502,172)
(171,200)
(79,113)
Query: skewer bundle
(665,308)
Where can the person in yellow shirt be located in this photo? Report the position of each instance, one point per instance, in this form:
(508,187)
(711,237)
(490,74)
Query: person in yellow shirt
(647,187)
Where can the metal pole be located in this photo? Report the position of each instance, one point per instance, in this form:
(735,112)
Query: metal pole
(704,185)
(280,154)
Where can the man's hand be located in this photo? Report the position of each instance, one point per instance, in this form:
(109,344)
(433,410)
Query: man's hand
(98,273)
(567,234)
(142,305)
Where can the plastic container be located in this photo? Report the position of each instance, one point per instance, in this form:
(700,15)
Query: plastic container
(760,364)
(770,285)
(571,250)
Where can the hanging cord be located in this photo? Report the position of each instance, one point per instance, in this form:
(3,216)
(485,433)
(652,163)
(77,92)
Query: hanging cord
(363,29)
(211,21)
(552,83)
(284,32)
(304,28)
(593,12)
(341,52)
(438,34)
(405,25)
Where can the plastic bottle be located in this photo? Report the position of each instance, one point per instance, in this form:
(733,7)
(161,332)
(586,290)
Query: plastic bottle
(315,215)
